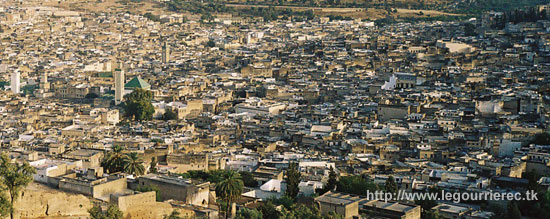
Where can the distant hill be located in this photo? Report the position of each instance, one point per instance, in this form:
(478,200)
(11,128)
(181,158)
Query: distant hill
(452,6)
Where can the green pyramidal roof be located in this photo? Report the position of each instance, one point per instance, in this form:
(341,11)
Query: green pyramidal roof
(137,82)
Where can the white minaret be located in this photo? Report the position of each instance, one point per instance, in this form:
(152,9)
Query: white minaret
(15,82)
(44,78)
(44,82)
(119,85)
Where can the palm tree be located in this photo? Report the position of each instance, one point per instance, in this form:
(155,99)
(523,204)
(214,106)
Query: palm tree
(133,164)
(114,160)
(14,178)
(153,167)
(230,189)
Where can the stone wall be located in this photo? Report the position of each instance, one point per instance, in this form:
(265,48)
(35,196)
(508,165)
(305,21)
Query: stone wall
(129,201)
(102,191)
(40,201)
(155,210)
(76,186)
(190,194)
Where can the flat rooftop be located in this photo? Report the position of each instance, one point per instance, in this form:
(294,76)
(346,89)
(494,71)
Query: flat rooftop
(174,180)
(338,198)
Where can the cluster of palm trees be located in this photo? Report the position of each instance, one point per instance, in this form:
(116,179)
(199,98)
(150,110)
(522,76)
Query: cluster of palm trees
(228,190)
(117,161)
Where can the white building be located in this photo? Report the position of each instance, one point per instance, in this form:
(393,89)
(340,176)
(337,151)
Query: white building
(257,107)
(15,82)
(308,188)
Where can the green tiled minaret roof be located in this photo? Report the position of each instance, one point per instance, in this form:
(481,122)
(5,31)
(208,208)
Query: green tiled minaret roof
(137,82)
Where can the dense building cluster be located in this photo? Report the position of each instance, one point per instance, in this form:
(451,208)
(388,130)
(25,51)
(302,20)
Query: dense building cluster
(429,105)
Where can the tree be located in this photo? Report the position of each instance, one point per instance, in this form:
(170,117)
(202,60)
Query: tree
(207,17)
(284,201)
(428,204)
(14,177)
(5,206)
(153,167)
(91,96)
(539,208)
(248,179)
(355,185)
(112,212)
(269,211)
(298,211)
(133,164)
(293,178)
(211,43)
(469,29)
(302,211)
(533,179)
(246,213)
(333,215)
(229,189)
(331,182)
(169,115)
(391,186)
(151,16)
(114,160)
(174,215)
(431,214)
(137,105)
(155,189)
(541,139)
(332,179)
(513,211)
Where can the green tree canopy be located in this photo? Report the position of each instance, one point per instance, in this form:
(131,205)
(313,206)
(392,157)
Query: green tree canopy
(112,212)
(269,211)
(470,29)
(91,96)
(391,185)
(356,184)
(248,179)
(5,206)
(246,213)
(431,214)
(293,178)
(541,139)
(14,177)
(138,106)
(512,211)
(169,115)
(332,179)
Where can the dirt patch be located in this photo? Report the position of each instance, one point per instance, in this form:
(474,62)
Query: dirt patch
(421,13)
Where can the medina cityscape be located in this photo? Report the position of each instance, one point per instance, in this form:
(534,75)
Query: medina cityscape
(268,109)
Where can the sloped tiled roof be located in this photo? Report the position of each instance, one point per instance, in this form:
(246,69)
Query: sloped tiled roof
(137,82)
